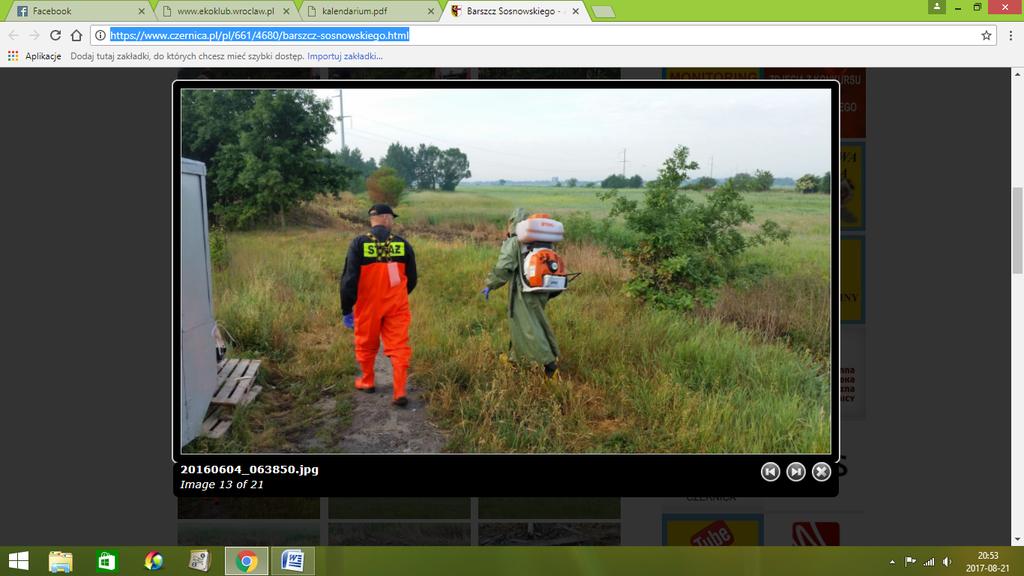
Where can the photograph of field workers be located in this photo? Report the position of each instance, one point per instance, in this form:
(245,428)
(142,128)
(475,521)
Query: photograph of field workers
(513,270)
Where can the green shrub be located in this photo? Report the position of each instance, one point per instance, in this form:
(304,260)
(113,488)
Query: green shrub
(384,186)
(807,184)
(263,149)
(218,247)
(682,251)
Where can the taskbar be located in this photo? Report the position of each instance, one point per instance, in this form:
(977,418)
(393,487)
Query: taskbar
(297,560)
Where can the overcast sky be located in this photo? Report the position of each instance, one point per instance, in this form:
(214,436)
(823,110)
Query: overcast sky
(538,134)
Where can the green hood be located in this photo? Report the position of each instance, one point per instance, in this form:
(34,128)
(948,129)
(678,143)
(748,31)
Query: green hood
(517,216)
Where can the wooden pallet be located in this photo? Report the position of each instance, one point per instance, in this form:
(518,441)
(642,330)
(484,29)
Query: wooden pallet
(234,378)
(234,388)
(216,424)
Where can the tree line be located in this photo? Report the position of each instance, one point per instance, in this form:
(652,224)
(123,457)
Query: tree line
(265,153)
(759,181)
(425,167)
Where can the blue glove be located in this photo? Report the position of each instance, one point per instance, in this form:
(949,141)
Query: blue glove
(487,293)
(349,321)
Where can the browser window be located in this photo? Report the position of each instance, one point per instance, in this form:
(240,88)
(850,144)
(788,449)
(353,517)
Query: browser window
(354,286)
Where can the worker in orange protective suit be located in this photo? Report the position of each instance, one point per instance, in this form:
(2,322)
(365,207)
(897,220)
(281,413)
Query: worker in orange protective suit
(380,273)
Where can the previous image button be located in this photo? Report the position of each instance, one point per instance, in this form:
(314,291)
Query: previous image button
(770,472)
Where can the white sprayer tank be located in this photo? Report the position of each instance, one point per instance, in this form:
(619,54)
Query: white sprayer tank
(540,230)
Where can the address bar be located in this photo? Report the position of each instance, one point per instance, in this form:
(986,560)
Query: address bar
(551,35)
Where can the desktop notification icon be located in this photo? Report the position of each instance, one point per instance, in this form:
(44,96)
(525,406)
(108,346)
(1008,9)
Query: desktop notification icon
(60,562)
(154,561)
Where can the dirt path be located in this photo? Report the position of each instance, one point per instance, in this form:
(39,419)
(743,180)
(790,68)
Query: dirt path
(379,427)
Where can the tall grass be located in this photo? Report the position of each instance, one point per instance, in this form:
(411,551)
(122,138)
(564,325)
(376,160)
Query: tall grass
(633,379)
(277,300)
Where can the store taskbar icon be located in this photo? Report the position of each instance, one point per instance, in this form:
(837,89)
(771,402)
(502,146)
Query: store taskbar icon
(106,561)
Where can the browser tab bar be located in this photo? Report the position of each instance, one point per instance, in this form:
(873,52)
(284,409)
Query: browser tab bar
(516,12)
(527,11)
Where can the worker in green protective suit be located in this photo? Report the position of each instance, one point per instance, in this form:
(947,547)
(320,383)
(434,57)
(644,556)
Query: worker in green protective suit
(532,337)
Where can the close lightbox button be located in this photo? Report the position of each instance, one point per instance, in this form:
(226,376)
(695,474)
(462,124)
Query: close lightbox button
(821,472)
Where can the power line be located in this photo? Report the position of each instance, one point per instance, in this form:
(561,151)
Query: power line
(341,118)
(563,164)
(560,167)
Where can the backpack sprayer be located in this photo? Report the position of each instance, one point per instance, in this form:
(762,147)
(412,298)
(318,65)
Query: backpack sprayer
(543,269)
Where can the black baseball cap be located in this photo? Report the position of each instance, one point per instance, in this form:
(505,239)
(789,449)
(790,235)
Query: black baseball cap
(380,209)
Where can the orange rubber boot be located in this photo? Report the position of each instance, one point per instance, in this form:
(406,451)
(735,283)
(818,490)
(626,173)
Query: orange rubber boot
(394,331)
(400,373)
(365,380)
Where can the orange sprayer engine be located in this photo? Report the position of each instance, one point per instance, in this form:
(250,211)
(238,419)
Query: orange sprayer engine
(543,269)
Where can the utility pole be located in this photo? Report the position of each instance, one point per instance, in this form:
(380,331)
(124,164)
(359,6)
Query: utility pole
(341,118)
(623,162)
(712,175)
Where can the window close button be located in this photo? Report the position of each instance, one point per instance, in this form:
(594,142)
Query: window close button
(1004,6)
